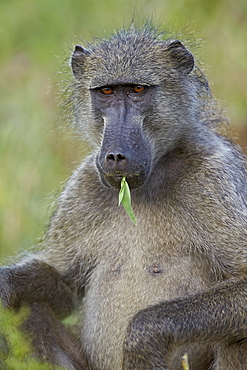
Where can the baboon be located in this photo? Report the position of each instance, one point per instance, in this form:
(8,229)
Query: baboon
(177,282)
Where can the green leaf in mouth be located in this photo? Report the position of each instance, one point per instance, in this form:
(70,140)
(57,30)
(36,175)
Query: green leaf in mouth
(125,198)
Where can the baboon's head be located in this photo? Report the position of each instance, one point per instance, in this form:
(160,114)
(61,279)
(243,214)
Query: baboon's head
(124,97)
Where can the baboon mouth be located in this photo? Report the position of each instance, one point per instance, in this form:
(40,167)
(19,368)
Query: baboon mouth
(134,180)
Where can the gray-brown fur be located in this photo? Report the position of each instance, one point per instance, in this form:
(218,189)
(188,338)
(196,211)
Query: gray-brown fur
(175,283)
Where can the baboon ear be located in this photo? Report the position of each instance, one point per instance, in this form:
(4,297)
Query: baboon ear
(180,56)
(78,60)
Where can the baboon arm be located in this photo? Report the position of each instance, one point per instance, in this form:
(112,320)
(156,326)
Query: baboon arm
(217,315)
(52,341)
(32,282)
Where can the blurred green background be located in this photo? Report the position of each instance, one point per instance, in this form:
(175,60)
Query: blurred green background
(36,39)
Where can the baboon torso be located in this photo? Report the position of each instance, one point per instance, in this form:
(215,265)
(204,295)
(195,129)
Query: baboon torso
(170,251)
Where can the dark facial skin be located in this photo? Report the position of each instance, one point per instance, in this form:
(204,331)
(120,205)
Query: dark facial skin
(125,151)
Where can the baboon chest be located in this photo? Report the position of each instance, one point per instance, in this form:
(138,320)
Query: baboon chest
(121,285)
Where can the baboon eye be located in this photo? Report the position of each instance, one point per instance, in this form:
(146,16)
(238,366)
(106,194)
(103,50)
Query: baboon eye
(138,88)
(106,90)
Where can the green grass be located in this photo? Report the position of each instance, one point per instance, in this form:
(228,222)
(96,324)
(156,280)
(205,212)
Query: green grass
(124,198)
(15,347)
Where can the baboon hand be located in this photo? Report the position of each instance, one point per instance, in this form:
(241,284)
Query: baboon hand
(143,343)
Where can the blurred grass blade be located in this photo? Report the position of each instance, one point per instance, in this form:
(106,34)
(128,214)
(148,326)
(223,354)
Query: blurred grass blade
(185,362)
(125,199)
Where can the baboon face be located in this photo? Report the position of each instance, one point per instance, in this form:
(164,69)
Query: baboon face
(120,101)
(125,151)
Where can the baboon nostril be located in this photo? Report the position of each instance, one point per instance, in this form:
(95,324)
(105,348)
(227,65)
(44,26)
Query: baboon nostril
(120,157)
(115,157)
